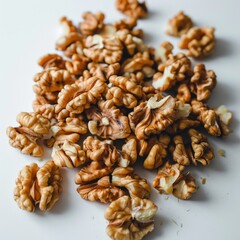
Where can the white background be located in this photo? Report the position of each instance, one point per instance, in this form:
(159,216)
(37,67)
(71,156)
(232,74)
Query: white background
(29,29)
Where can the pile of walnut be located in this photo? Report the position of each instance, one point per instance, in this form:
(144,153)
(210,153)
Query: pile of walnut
(101,86)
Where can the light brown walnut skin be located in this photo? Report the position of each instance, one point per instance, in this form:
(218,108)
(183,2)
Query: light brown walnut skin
(130,218)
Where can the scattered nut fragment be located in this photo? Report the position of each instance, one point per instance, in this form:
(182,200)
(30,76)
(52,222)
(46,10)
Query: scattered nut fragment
(221,152)
(92,23)
(179,24)
(32,128)
(176,69)
(68,155)
(67,25)
(132,8)
(203,180)
(199,42)
(107,121)
(38,186)
(164,52)
(171,180)
(130,218)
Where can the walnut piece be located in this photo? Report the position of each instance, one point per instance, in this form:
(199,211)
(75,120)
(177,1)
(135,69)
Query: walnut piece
(179,24)
(164,51)
(132,8)
(32,128)
(92,23)
(202,82)
(68,155)
(38,186)
(199,42)
(102,191)
(171,180)
(154,116)
(130,218)
(107,121)
(51,61)
(176,69)
(67,25)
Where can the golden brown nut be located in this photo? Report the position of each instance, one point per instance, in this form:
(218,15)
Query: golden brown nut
(136,186)
(101,191)
(170,179)
(77,65)
(139,62)
(202,82)
(48,181)
(183,93)
(157,152)
(68,129)
(199,41)
(68,155)
(127,40)
(92,23)
(22,191)
(176,69)
(51,61)
(132,8)
(201,150)
(107,121)
(67,25)
(126,23)
(92,172)
(79,96)
(179,24)
(164,51)
(103,50)
(38,186)
(208,117)
(32,128)
(154,116)
(97,150)
(130,218)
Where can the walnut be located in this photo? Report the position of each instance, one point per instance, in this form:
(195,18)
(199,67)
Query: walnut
(51,80)
(127,40)
(67,25)
(154,116)
(184,93)
(171,180)
(176,69)
(130,218)
(41,106)
(69,129)
(139,62)
(51,61)
(108,30)
(97,150)
(94,171)
(132,8)
(70,44)
(68,155)
(32,128)
(24,182)
(179,24)
(77,65)
(107,121)
(136,186)
(102,191)
(38,186)
(157,151)
(92,23)
(126,23)
(202,82)
(225,118)
(198,41)
(208,117)
(164,51)
(79,96)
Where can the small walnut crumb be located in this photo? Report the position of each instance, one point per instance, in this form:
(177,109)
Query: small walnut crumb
(179,24)
(130,218)
(199,42)
(221,152)
(132,8)
(203,180)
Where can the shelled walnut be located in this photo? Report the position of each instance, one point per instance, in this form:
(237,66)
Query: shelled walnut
(32,128)
(130,218)
(179,24)
(38,186)
(171,180)
(199,41)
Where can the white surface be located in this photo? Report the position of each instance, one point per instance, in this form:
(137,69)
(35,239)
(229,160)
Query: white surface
(29,29)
